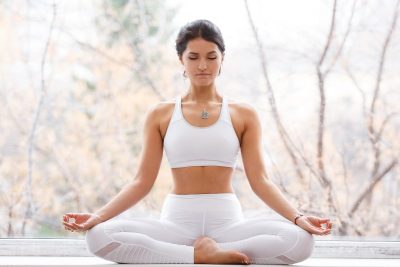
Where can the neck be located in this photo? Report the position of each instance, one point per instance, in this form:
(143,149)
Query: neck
(202,94)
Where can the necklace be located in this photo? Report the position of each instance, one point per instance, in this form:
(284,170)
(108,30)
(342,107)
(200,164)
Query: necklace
(204,114)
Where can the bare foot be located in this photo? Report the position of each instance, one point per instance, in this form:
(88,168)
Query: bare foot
(206,250)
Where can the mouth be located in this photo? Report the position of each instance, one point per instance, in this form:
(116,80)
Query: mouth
(203,74)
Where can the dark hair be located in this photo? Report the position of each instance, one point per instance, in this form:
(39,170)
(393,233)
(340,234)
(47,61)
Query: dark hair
(199,28)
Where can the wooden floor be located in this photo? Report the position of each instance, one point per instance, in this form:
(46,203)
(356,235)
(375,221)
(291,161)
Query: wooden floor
(93,261)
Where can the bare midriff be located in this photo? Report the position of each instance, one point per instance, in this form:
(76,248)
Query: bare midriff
(202,180)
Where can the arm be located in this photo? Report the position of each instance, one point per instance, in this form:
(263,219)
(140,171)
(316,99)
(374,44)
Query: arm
(262,186)
(149,165)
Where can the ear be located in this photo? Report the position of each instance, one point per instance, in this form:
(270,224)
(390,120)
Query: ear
(180,59)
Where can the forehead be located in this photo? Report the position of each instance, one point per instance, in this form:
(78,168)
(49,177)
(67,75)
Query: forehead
(201,46)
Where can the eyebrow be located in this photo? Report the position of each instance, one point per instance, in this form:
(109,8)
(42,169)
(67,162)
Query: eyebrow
(198,53)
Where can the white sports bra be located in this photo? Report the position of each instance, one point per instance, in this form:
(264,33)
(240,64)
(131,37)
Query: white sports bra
(188,145)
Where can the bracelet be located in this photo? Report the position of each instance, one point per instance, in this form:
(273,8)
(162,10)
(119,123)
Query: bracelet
(297,216)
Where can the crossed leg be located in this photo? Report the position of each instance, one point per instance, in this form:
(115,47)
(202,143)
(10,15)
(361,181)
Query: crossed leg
(266,241)
(259,240)
(142,240)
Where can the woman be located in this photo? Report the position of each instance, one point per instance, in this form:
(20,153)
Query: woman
(201,219)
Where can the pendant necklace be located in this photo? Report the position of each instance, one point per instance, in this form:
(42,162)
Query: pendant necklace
(204,114)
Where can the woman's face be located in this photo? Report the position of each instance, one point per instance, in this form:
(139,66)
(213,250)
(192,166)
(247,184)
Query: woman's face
(202,60)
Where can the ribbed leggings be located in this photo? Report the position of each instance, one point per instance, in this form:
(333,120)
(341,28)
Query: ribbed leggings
(184,218)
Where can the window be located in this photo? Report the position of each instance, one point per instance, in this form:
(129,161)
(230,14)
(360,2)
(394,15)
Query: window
(77,78)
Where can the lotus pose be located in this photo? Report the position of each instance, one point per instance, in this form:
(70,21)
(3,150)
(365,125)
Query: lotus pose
(201,220)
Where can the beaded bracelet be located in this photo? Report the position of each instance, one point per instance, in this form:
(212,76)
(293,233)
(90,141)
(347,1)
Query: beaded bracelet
(297,216)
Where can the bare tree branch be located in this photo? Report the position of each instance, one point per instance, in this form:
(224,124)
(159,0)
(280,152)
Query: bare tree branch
(384,123)
(345,174)
(368,190)
(72,180)
(137,68)
(329,38)
(360,90)
(271,97)
(278,174)
(346,35)
(321,124)
(373,136)
(136,45)
(126,65)
(321,82)
(28,193)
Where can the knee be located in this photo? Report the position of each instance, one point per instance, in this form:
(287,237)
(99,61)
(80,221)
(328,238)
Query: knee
(96,239)
(303,247)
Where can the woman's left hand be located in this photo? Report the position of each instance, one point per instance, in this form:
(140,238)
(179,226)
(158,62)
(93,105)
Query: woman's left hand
(313,225)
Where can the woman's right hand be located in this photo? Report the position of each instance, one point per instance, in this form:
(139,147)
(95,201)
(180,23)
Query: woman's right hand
(80,222)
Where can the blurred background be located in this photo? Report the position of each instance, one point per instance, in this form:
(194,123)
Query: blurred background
(77,77)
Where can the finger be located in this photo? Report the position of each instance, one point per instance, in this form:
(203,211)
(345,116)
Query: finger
(324,226)
(328,226)
(312,229)
(321,232)
(316,230)
(71,220)
(78,226)
(325,232)
(323,220)
(313,225)
(69,225)
(72,215)
(317,222)
(65,218)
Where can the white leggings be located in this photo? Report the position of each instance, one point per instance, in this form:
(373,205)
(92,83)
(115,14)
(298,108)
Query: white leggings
(184,218)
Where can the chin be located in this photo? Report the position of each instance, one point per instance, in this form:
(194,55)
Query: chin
(203,83)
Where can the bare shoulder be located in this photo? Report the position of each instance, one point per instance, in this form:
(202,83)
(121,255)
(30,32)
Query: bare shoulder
(242,110)
(161,114)
(159,109)
(166,105)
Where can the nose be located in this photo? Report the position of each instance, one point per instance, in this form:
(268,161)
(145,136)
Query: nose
(202,65)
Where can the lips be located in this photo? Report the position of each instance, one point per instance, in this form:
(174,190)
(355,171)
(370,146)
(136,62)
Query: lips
(203,74)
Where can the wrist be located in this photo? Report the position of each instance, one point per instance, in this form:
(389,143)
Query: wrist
(296,217)
(99,217)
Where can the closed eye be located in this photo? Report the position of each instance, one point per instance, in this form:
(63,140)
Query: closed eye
(193,58)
